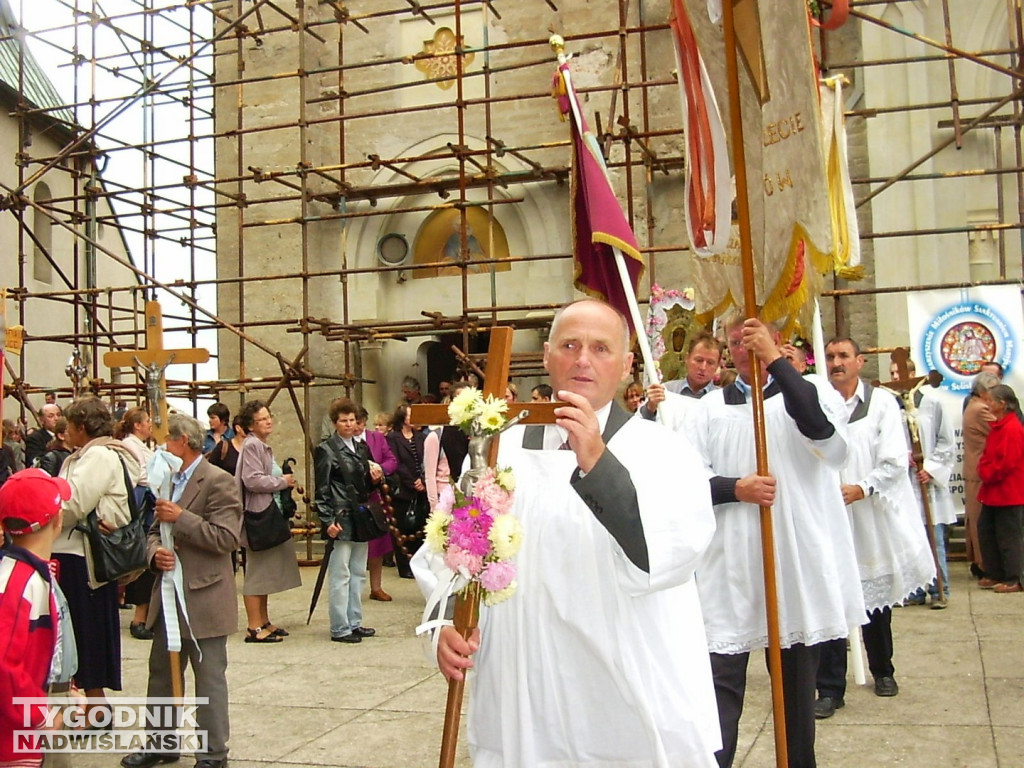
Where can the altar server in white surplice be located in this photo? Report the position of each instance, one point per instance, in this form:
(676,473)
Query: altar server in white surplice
(892,548)
(599,658)
(938,444)
(818,592)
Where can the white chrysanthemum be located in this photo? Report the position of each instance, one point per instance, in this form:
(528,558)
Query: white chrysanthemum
(436,530)
(506,480)
(506,536)
(464,406)
(493,598)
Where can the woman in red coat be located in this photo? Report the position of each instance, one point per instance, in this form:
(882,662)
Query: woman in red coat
(1001,470)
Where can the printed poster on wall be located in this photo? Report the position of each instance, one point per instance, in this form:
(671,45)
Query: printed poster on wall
(954,332)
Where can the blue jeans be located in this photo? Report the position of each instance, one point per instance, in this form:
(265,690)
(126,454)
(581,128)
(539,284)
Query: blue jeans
(346,575)
(940,548)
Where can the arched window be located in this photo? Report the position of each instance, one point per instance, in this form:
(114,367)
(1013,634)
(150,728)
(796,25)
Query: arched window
(42,228)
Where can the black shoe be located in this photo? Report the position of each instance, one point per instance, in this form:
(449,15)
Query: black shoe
(211,763)
(886,686)
(139,631)
(406,575)
(364,631)
(826,706)
(146,759)
(353,638)
(976,572)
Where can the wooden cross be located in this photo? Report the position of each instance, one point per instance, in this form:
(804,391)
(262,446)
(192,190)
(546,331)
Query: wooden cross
(467,608)
(155,359)
(499,355)
(905,387)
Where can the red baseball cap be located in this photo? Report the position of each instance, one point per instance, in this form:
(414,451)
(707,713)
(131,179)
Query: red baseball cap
(30,499)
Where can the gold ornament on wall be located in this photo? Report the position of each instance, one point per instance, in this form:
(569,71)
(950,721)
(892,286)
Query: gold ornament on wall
(438,60)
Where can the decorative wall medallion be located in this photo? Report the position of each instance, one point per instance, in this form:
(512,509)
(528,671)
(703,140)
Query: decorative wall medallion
(438,60)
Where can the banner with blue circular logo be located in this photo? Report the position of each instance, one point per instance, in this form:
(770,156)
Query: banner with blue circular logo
(956,332)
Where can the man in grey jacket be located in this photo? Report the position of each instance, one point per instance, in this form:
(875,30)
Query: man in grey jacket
(206,513)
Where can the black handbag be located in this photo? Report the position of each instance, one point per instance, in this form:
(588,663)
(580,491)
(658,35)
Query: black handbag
(368,522)
(120,555)
(266,529)
(413,517)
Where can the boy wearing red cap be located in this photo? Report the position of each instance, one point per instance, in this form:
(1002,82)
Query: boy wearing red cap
(37,645)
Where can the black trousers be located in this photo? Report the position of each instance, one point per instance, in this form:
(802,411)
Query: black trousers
(799,671)
(999,538)
(878,644)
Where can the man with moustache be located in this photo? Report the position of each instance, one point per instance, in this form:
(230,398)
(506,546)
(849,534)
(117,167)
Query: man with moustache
(599,657)
(892,551)
(818,593)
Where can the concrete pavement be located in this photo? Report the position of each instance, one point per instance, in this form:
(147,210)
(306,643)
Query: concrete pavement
(379,704)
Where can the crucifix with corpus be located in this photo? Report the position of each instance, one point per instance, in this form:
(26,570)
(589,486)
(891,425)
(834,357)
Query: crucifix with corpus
(906,387)
(154,360)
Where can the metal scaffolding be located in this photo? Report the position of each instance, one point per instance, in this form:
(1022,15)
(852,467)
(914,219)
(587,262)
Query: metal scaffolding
(167,102)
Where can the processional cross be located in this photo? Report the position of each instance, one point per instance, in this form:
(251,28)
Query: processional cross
(154,360)
(905,388)
(467,609)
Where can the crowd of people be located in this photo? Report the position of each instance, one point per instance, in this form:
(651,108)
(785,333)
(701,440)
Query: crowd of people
(649,603)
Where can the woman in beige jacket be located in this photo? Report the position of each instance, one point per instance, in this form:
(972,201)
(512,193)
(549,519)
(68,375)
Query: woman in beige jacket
(95,472)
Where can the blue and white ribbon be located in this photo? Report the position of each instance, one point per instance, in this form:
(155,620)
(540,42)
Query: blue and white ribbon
(161,470)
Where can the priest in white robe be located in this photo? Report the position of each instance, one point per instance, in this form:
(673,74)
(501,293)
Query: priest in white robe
(818,591)
(892,550)
(599,658)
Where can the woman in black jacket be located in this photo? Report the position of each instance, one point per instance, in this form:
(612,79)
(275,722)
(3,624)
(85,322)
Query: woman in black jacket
(409,500)
(343,483)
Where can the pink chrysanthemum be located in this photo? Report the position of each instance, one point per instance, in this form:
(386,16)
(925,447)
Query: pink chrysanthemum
(471,534)
(463,562)
(498,575)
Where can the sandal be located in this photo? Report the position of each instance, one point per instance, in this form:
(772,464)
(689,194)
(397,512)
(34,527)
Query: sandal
(275,631)
(256,636)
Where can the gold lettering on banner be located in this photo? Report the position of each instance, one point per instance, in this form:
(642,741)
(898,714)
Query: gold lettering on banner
(769,188)
(782,130)
(784,180)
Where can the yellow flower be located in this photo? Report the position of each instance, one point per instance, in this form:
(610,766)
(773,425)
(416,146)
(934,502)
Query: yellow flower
(493,598)
(490,422)
(491,414)
(437,530)
(506,536)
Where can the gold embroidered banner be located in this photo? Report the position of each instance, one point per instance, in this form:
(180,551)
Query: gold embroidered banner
(782,136)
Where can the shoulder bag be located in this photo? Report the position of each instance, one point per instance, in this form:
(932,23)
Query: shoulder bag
(368,522)
(121,554)
(266,529)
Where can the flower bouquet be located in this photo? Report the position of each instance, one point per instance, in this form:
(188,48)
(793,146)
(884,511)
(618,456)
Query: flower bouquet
(478,536)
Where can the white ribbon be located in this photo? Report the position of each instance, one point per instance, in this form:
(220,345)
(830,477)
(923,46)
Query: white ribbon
(433,614)
(160,471)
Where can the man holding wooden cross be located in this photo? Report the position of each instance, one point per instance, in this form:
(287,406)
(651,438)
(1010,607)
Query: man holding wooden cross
(599,658)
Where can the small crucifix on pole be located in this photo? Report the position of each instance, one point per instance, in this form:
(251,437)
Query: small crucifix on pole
(153,360)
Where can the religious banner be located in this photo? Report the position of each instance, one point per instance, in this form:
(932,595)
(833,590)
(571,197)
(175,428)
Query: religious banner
(954,332)
(791,230)
(708,188)
(599,226)
(845,228)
